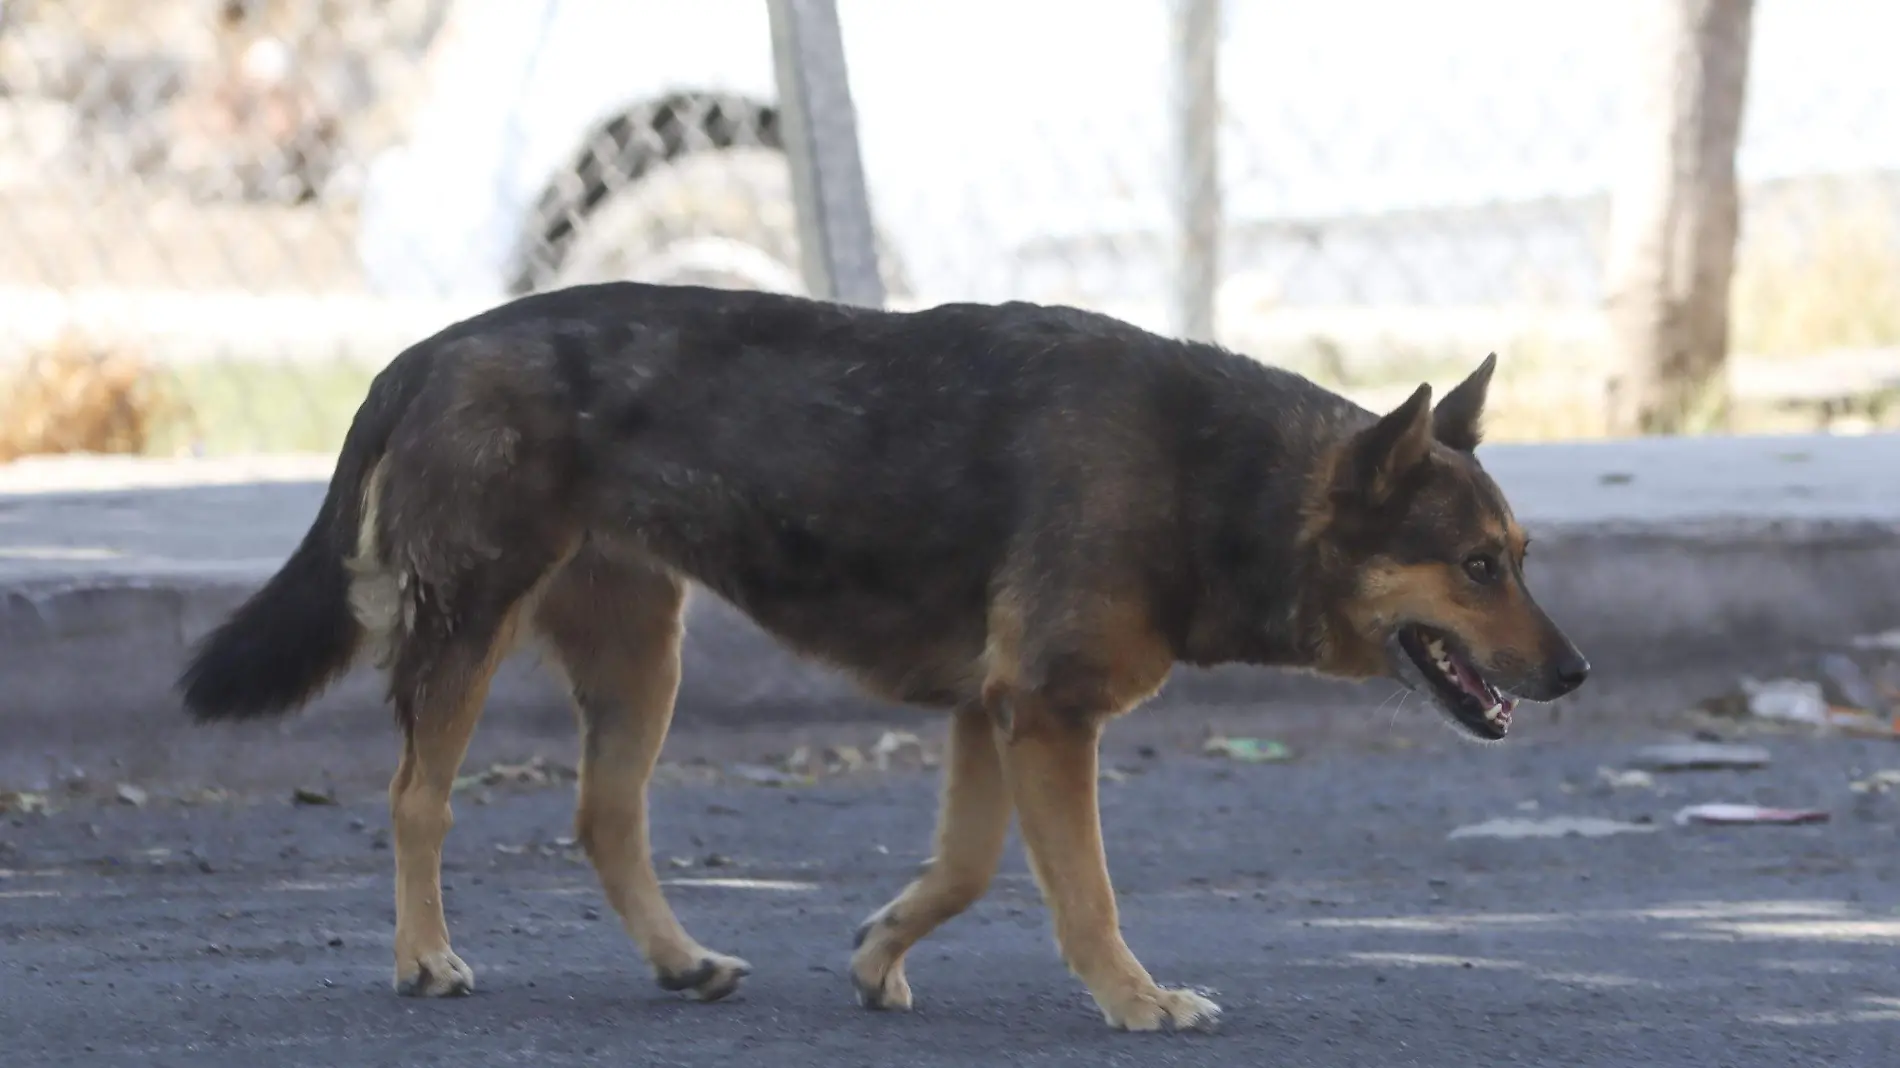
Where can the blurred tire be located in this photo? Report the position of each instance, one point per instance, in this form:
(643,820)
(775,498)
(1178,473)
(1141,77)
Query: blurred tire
(723,218)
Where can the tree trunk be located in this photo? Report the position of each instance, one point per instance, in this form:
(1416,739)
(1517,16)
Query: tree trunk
(1674,218)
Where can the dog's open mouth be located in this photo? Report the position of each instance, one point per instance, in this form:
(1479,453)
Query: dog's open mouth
(1462,692)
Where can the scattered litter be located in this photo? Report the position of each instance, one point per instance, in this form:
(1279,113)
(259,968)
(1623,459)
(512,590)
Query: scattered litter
(1887,639)
(1113,775)
(208,795)
(304,795)
(22,801)
(510,850)
(1863,724)
(1626,778)
(1553,827)
(1878,783)
(845,757)
(1701,756)
(764,775)
(892,743)
(131,795)
(1726,813)
(1796,700)
(535,771)
(1849,684)
(1846,699)
(1247,750)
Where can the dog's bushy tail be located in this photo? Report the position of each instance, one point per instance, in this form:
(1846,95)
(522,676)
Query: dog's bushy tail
(295,636)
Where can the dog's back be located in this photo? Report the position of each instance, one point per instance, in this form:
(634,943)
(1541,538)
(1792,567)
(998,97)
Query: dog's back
(854,480)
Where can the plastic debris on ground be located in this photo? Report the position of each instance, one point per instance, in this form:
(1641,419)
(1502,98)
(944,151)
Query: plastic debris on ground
(535,771)
(893,744)
(1626,779)
(304,795)
(1797,700)
(1552,827)
(1801,701)
(1855,695)
(1701,756)
(1846,683)
(131,795)
(1888,640)
(1721,812)
(22,801)
(763,775)
(1247,750)
(1879,782)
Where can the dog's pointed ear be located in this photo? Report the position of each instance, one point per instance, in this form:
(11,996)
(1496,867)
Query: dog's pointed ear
(1388,450)
(1458,421)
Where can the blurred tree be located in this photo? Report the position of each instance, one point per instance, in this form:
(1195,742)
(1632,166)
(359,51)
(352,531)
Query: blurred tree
(1674,217)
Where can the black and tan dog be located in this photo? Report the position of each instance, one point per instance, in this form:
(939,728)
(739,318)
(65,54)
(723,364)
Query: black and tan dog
(1024,515)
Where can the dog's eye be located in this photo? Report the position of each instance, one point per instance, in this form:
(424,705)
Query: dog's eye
(1483,568)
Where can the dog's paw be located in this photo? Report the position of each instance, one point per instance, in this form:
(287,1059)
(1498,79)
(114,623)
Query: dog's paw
(880,984)
(1157,1009)
(877,973)
(434,975)
(712,977)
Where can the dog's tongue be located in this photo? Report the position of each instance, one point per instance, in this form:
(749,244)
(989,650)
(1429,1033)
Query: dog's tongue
(1469,679)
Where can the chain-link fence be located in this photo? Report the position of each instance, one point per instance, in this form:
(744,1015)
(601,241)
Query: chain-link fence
(222,216)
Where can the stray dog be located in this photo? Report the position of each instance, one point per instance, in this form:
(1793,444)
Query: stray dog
(1023,515)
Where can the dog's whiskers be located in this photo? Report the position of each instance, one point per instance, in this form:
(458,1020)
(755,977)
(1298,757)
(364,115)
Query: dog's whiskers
(1401,694)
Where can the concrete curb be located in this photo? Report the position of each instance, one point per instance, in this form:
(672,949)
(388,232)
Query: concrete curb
(1663,599)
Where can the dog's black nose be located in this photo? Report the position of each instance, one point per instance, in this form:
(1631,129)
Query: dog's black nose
(1570,670)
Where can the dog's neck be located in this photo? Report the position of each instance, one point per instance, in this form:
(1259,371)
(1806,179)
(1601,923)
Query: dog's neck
(1256,588)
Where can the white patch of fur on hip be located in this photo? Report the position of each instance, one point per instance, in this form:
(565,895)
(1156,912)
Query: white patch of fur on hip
(381,598)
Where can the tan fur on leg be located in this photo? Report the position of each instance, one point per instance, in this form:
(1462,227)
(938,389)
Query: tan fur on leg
(615,628)
(1051,766)
(421,816)
(972,826)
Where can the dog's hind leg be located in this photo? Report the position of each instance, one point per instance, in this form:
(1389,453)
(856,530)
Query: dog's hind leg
(615,629)
(439,681)
(972,825)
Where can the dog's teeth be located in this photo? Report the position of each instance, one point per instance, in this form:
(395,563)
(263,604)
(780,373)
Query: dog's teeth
(1494,712)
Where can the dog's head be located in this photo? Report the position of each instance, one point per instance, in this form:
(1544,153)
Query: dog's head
(1426,563)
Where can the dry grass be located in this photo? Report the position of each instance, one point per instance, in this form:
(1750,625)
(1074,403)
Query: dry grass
(79,396)
(1823,279)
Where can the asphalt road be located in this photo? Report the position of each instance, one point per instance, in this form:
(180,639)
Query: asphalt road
(1321,901)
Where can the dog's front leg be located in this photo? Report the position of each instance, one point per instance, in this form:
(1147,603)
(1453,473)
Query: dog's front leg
(1050,759)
